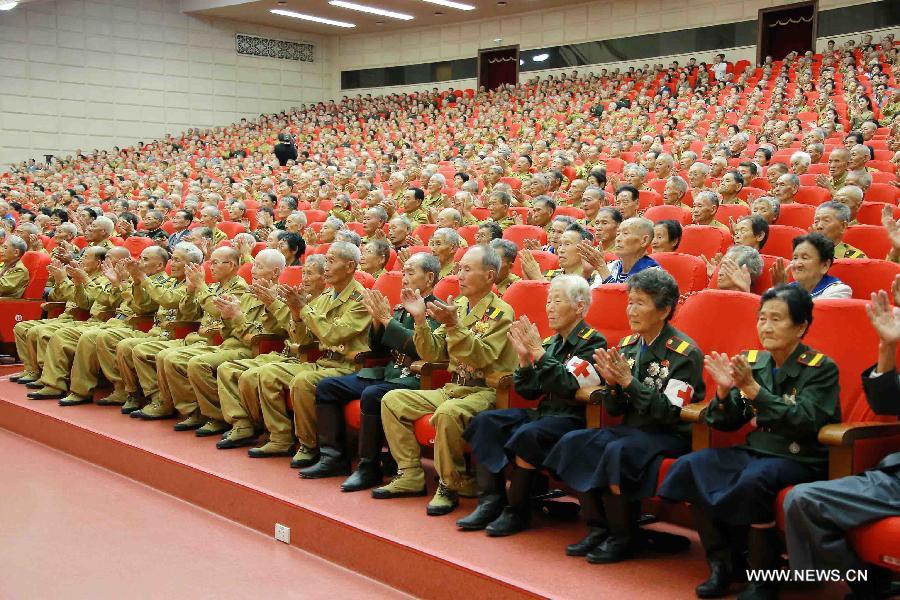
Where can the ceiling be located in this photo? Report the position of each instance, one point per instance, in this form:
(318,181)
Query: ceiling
(423,13)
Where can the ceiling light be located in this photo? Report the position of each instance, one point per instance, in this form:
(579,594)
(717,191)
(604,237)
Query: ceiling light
(449,4)
(521,62)
(371,10)
(296,15)
(8,5)
(540,57)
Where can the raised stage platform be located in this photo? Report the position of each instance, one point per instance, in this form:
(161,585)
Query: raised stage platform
(392,541)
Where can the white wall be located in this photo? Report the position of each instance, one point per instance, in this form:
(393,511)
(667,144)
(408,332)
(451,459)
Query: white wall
(606,19)
(100,73)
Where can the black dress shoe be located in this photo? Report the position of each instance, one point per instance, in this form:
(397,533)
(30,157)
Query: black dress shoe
(39,396)
(25,380)
(510,522)
(595,536)
(718,584)
(612,550)
(488,510)
(228,444)
(331,464)
(34,385)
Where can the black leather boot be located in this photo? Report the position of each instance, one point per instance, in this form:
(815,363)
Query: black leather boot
(764,548)
(491,500)
(368,472)
(718,554)
(333,460)
(516,516)
(596,522)
(621,523)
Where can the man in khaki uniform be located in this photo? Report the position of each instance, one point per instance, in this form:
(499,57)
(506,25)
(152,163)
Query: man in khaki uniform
(30,335)
(116,357)
(13,274)
(86,368)
(239,395)
(104,296)
(258,311)
(339,322)
(166,362)
(472,336)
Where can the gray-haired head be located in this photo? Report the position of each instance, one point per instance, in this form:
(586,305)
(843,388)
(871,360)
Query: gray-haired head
(490,260)
(841,211)
(317,260)
(429,263)
(192,253)
(659,285)
(106,224)
(448,235)
(346,251)
(17,244)
(334,223)
(271,258)
(506,249)
(575,288)
(349,236)
(749,257)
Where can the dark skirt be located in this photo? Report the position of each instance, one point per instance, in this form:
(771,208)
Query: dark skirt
(624,456)
(496,436)
(736,485)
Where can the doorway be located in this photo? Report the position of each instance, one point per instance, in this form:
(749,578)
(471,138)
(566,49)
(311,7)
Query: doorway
(786,29)
(498,66)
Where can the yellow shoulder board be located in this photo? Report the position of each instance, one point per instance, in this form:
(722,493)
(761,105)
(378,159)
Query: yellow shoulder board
(811,359)
(751,355)
(356,296)
(494,313)
(629,340)
(547,340)
(586,334)
(551,273)
(678,345)
(855,253)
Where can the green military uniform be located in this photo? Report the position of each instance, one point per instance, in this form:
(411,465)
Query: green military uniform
(838,182)
(26,332)
(504,285)
(339,324)
(418,216)
(172,363)
(218,236)
(447,269)
(476,347)
(254,318)
(433,202)
(845,250)
(794,402)
(13,280)
(397,338)
(59,354)
(341,213)
(149,357)
(114,346)
(86,367)
(505,222)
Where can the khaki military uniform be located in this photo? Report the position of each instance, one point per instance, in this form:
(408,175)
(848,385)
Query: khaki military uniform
(845,250)
(13,280)
(218,236)
(340,326)
(149,357)
(418,216)
(476,347)
(447,270)
(436,201)
(504,285)
(86,367)
(255,318)
(505,222)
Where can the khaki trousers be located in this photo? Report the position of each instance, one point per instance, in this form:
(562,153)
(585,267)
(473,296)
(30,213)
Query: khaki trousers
(202,371)
(26,336)
(145,359)
(238,387)
(453,407)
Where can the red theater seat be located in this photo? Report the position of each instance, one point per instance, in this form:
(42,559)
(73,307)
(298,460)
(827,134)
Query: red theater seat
(519,233)
(529,298)
(865,275)
(688,270)
(705,240)
(871,239)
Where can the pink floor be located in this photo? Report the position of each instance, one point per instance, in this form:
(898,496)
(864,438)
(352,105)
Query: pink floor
(73,530)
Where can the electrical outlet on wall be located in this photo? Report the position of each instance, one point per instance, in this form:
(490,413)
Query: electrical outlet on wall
(282,533)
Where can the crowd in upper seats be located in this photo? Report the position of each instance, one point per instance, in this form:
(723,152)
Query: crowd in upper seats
(605,172)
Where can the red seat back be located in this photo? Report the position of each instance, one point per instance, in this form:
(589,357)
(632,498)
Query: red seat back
(688,270)
(727,212)
(668,212)
(230,228)
(607,312)
(781,240)
(704,239)
(797,215)
(865,275)
(390,283)
(529,298)
(468,233)
(136,245)
(882,192)
(291,276)
(517,234)
(447,287)
(812,195)
(870,212)
(364,278)
(425,231)
(246,271)
(546,260)
(315,216)
(871,239)
(36,263)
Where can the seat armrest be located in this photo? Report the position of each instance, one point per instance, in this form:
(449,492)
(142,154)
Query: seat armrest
(844,434)
(53,309)
(841,439)
(180,329)
(263,343)
(694,412)
(427,372)
(502,382)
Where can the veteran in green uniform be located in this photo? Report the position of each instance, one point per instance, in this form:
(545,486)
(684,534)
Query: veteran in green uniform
(104,296)
(239,394)
(13,274)
(551,371)
(86,368)
(391,333)
(338,322)
(33,335)
(472,336)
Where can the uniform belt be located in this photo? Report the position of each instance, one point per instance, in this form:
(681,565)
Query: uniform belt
(467,381)
(401,360)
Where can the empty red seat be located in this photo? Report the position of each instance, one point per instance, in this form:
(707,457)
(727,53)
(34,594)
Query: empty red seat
(882,192)
(865,275)
(529,298)
(517,234)
(781,240)
(570,211)
(870,212)
(688,270)
(668,212)
(390,283)
(797,215)
(447,287)
(315,216)
(705,240)
(727,212)
(607,312)
(246,271)
(812,195)
(364,278)
(468,233)
(291,276)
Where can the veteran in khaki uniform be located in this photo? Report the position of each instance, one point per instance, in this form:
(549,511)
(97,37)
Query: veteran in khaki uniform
(171,362)
(239,394)
(339,322)
(472,336)
(33,335)
(114,351)
(257,311)
(86,367)
(13,274)
(104,296)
